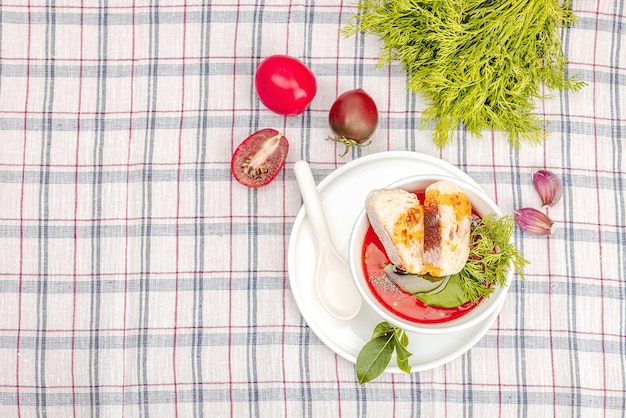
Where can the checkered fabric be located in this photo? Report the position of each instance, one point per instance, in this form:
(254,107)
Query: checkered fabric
(138,279)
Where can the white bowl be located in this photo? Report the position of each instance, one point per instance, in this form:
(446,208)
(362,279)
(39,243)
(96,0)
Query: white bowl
(483,205)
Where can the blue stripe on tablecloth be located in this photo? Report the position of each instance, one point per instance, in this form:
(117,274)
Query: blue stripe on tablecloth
(411,118)
(131,109)
(96,226)
(466,390)
(416,394)
(133,282)
(520,297)
(113,174)
(193,67)
(18,350)
(159,228)
(252,224)
(304,366)
(44,200)
(2,75)
(164,228)
(194,15)
(199,233)
(253,280)
(147,200)
(568,129)
(68,123)
(325,392)
(306,120)
(268,335)
(15,15)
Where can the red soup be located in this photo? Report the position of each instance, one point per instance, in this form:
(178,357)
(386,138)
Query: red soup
(402,304)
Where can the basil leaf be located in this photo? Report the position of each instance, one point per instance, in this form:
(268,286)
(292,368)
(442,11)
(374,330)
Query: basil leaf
(381,329)
(374,358)
(402,354)
(451,296)
(401,337)
(376,354)
(403,364)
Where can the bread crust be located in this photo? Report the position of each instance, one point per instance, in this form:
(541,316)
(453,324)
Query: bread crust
(430,238)
(397,219)
(447,215)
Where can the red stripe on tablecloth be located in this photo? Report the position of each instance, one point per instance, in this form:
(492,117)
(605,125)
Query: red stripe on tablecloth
(550,277)
(21,269)
(284,307)
(388,110)
(283,328)
(549,272)
(75,220)
(550,321)
(498,329)
(178,200)
(595,137)
(296,328)
(230,209)
(127,215)
(337,93)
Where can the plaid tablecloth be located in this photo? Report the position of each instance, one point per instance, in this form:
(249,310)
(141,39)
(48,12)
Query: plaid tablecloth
(137,278)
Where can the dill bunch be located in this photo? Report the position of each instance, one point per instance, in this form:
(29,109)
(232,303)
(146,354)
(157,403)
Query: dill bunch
(491,256)
(479,63)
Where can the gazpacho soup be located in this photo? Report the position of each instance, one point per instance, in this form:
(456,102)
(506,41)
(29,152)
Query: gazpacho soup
(391,296)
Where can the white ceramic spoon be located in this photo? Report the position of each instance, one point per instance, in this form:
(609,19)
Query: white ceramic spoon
(333,279)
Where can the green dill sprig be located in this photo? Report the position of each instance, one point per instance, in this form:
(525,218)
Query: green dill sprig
(479,63)
(491,256)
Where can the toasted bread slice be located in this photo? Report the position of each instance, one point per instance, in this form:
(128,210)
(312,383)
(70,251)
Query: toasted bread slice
(397,218)
(447,214)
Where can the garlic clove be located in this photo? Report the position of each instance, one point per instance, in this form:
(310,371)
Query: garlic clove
(549,187)
(534,222)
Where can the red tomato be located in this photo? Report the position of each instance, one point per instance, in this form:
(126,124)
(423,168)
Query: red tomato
(259,158)
(285,85)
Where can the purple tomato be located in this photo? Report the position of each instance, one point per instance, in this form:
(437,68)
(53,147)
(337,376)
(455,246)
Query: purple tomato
(353,118)
(259,158)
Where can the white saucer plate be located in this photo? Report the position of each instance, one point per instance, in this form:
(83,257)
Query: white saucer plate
(343,195)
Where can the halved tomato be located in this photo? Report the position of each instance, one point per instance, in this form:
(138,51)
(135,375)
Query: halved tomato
(259,158)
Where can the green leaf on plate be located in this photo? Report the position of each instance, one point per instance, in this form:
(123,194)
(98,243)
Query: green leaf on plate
(384,328)
(401,341)
(374,358)
(376,354)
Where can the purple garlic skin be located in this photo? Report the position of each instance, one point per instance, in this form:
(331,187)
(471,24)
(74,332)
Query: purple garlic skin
(549,187)
(534,222)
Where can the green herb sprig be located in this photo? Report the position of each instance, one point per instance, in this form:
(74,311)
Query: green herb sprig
(491,256)
(479,63)
(376,353)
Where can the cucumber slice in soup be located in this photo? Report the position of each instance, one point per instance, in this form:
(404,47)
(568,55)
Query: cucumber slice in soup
(451,296)
(412,283)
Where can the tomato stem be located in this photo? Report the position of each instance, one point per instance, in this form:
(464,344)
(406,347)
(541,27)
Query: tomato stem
(349,143)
